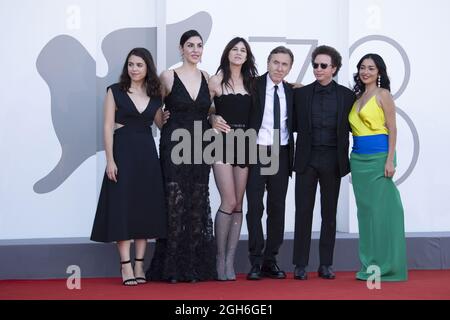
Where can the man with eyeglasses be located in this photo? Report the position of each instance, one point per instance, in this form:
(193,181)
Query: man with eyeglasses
(321,157)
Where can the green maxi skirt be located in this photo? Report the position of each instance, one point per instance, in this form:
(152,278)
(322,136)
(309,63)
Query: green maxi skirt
(380,219)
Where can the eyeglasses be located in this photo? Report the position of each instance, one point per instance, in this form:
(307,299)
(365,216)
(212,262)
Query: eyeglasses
(322,65)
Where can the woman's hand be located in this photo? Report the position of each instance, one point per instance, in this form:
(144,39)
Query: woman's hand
(219,123)
(165,116)
(161,117)
(111,171)
(389,169)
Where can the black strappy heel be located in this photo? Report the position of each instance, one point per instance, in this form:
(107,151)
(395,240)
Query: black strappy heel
(140,280)
(129,282)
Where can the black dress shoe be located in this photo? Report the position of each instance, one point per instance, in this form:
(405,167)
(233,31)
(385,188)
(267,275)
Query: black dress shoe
(255,273)
(271,270)
(300,273)
(326,272)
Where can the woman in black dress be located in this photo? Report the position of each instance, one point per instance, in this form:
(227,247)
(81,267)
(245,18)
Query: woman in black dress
(188,254)
(231,88)
(131,203)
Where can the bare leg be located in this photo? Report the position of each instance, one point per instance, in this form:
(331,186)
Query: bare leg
(139,247)
(240,182)
(223,174)
(126,269)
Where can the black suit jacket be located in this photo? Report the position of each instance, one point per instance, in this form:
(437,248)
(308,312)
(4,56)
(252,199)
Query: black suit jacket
(303,107)
(259,102)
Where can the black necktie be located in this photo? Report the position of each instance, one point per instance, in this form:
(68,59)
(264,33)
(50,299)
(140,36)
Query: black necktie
(276,113)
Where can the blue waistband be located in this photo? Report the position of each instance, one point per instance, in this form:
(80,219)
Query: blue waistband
(371,144)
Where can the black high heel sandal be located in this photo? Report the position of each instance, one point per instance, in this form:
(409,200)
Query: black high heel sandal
(129,282)
(140,280)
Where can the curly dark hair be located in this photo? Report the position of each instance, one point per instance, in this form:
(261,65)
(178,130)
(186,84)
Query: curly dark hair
(385,83)
(248,71)
(151,82)
(336,58)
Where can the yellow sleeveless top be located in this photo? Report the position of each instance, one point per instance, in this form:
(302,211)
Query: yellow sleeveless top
(370,119)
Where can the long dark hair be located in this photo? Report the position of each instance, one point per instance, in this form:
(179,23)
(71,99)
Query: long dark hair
(248,70)
(385,83)
(151,82)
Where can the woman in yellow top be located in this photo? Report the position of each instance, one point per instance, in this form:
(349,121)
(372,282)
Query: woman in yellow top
(380,212)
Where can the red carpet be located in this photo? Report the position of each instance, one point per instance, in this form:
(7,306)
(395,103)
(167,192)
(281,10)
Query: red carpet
(425,285)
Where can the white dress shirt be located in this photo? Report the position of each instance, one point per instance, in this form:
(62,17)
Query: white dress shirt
(265,134)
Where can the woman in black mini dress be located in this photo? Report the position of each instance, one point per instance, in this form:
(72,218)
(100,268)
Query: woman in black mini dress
(231,88)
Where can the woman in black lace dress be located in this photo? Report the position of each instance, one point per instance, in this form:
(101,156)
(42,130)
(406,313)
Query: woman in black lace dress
(231,88)
(188,253)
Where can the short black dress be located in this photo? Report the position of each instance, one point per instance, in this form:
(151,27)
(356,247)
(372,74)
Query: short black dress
(134,207)
(235,110)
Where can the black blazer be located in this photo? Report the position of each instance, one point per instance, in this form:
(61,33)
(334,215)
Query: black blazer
(259,102)
(303,104)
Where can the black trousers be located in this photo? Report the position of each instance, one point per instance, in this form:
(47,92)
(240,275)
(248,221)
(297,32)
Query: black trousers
(323,168)
(276,186)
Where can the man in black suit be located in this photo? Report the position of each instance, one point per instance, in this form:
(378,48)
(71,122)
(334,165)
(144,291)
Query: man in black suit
(272,119)
(321,156)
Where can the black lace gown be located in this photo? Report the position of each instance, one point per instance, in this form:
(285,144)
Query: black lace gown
(188,253)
